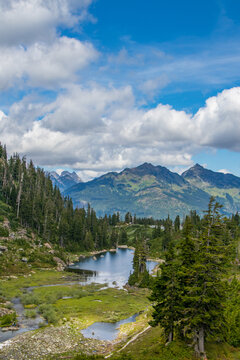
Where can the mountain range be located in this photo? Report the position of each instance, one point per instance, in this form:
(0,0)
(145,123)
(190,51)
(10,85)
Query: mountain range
(65,180)
(149,190)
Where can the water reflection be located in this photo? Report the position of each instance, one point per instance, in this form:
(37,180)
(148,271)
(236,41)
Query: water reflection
(112,268)
(106,331)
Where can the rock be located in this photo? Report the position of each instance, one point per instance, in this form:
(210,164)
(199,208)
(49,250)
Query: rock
(5,311)
(24,259)
(94,258)
(10,328)
(51,251)
(47,245)
(102,256)
(60,264)
(3,248)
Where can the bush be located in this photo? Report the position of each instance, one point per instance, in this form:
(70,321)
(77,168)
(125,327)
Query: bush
(4,232)
(30,314)
(23,243)
(30,299)
(8,320)
(49,313)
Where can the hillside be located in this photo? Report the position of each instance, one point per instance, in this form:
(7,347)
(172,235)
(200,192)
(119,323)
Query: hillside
(149,190)
(146,190)
(225,187)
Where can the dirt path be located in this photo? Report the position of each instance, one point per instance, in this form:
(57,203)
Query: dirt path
(130,341)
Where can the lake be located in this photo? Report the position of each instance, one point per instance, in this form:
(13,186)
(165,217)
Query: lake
(112,268)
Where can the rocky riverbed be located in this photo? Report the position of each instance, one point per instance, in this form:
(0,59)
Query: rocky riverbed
(51,340)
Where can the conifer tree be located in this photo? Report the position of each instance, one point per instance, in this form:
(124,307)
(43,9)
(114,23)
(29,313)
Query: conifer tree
(204,295)
(165,294)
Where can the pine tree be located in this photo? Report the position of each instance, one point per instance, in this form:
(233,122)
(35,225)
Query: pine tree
(204,296)
(165,294)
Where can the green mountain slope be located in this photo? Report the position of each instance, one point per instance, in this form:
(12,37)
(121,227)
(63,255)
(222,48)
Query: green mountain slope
(146,190)
(226,187)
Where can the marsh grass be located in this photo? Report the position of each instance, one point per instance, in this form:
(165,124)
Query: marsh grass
(31,314)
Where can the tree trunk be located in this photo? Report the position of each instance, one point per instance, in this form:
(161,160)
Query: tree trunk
(170,337)
(201,342)
(19,195)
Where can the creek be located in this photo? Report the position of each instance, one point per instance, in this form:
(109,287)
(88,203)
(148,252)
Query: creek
(111,268)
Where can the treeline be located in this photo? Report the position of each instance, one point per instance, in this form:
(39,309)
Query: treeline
(195,295)
(40,206)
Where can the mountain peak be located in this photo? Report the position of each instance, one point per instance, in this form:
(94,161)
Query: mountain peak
(199,175)
(65,180)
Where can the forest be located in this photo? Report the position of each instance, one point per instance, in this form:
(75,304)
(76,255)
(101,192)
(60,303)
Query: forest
(195,294)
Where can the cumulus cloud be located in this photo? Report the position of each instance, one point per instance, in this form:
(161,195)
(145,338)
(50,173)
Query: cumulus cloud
(27,21)
(45,65)
(82,110)
(218,123)
(100,129)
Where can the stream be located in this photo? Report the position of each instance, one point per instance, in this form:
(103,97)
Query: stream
(111,268)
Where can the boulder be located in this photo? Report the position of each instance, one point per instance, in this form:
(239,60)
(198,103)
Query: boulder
(3,248)
(47,245)
(60,263)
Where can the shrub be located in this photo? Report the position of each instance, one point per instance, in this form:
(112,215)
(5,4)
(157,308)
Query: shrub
(30,299)
(4,232)
(30,314)
(49,313)
(8,320)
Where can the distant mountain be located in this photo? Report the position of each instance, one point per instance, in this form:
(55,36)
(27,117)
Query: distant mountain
(65,180)
(225,187)
(202,177)
(146,190)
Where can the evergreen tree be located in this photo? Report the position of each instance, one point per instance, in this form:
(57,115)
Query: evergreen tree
(165,294)
(204,294)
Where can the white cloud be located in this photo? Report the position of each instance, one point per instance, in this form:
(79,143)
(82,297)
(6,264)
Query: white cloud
(45,65)
(82,110)
(27,21)
(152,86)
(224,171)
(218,123)
(96,129)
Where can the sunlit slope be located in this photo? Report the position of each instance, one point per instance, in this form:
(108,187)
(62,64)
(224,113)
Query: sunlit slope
(225,187)
(146,190)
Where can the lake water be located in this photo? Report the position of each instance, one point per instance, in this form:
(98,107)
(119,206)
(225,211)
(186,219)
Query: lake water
(112,268)
(105,331)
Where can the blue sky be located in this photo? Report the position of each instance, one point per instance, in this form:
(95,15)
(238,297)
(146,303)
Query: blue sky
(99,85)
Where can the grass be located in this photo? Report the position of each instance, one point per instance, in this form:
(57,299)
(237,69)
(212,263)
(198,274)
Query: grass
(109,305)
(30,314)
(14,287)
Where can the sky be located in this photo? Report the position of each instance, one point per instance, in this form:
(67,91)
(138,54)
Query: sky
(101,85)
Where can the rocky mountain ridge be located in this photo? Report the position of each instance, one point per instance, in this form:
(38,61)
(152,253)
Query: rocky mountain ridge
(149,190)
